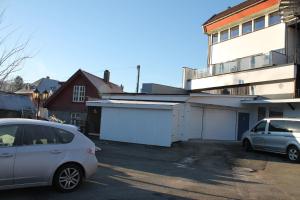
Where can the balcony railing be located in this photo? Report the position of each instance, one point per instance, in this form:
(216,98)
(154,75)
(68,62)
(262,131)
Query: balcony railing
(241,64)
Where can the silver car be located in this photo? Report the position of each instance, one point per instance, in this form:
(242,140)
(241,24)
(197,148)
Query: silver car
(38,153)
(278,135)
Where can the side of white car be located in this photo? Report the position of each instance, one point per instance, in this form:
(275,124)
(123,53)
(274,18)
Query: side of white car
(278,135)
(37,153)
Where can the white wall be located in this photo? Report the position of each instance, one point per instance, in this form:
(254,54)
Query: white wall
(225,100)
(262,41)
(275,88)
(142,126)
(193,122)
(252,76)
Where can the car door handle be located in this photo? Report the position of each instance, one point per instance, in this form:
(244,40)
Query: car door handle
(55,151)
(6,155)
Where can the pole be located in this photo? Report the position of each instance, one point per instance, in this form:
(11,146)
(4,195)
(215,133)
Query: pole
(38,108)
(138,78)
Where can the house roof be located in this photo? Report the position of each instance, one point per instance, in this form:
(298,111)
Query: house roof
(98,83)
(232,10)
(16,102)
(42,85)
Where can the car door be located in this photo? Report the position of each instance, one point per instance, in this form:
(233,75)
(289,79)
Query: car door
(8,141)
(278,135)
(38,156)
(257,135)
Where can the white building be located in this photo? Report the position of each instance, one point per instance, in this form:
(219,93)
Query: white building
(252,50)
(252,73)
(164,119)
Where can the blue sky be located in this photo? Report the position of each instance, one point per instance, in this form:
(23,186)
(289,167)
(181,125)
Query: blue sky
(160,35)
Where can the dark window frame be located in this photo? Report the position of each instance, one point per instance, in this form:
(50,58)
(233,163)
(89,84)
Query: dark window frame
(251,25)
(257,21)
(274,14)
(233,29)
(226,33)
(213,36)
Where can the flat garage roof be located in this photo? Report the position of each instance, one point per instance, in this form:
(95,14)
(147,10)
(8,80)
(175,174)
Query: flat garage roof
(132,104)
(270,101)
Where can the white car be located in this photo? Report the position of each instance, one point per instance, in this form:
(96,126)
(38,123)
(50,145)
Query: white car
(38,153)
(278,135)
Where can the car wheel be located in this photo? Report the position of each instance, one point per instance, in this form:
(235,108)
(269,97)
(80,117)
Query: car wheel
(68,178)
(293,154)
(247,145)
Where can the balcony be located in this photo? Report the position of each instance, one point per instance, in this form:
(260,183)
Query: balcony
(241,64)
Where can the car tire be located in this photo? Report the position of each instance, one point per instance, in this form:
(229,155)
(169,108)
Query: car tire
(293,154)
(247,145)
(68,178)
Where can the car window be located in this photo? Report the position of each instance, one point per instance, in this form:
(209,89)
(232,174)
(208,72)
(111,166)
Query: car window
(43,135)
(38,135)
(278,126)
(8,135)
(63,136)
(260,127)
(284,126)
(294,126)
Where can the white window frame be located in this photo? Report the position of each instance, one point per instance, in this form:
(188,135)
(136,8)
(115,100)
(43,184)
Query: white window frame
(75,118)
(78,93)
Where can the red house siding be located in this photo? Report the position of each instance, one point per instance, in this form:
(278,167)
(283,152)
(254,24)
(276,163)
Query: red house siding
(64,101)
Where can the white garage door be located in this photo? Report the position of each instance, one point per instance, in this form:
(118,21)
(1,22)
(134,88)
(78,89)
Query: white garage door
(219,124)
(142,126)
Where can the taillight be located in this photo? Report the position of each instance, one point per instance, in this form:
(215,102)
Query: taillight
(91,151)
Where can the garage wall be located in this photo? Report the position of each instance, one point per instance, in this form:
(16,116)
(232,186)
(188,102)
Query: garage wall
(192,122)
(143,126)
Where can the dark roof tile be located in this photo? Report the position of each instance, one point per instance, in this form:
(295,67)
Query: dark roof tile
(232,10)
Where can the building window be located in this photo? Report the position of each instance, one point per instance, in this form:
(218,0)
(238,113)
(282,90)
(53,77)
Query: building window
(261,113)
(274,18)
(247,27)
(259,23)
(215,38)
(275,113)
(234,32)
(224,36)
(78,93)
(75,119)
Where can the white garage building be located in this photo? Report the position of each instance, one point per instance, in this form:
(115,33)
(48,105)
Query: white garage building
(164,119)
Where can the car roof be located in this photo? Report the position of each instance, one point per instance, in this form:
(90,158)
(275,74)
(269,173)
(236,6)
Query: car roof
(7,121)
(283,119)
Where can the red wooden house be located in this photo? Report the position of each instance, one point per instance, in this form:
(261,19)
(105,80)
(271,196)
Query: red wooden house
(68,102)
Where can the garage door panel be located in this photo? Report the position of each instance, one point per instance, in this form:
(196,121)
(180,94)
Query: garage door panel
(219,124)
(142,126)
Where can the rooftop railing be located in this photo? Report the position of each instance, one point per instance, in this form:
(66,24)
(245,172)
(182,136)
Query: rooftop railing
(241,64)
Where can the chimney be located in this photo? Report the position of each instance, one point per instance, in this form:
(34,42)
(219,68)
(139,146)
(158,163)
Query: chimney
(106,76)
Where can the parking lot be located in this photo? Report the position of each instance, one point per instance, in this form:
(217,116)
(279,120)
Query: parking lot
(194,170)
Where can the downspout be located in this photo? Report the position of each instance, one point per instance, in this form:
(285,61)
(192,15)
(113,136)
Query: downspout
(202,121)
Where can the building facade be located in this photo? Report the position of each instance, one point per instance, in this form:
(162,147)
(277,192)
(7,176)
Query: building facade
(68,102)
(252,50)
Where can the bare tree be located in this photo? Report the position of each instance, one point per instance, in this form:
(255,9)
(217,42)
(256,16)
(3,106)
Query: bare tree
(11,56)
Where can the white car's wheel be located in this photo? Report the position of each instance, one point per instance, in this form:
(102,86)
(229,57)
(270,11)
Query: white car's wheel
(68,178)
(293,154)
(247,145)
